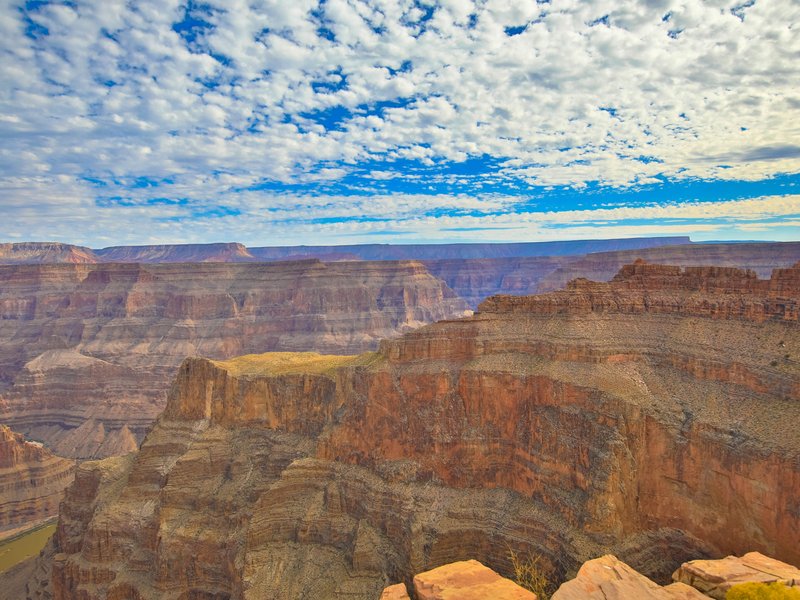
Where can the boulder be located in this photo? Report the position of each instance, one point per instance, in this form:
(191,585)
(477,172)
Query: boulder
(715,577)
(608,578)
(467,580)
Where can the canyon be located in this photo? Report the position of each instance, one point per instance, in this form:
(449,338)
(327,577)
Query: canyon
(32,481)
(89,349)
(650,416)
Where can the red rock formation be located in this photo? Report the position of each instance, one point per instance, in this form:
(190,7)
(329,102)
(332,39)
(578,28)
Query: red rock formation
(46,252)
(608,578)
(602,266)
(716,292)
(570,433)
(467,580)
(395,592)
(94,346)
(715,577)
(32,482)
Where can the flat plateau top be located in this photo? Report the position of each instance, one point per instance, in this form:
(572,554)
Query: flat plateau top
(286,363)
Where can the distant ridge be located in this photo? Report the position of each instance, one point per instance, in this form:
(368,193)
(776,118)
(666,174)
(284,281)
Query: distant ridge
(55,252)
(469,250)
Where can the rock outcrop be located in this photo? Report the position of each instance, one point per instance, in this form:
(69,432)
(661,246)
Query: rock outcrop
(89,350)
(715,292)
(760,257)
(176,253)
(715,577)
(570,428)
(32,482)
(476,279)
(608,578)
(46,252)
(467,580)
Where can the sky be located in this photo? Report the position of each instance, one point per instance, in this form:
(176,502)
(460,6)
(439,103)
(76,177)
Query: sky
(281,122)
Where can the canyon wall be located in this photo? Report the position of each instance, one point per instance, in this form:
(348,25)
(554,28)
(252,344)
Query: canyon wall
(473,271)
(89,350)
(760,257)
(562,425)
(32,482)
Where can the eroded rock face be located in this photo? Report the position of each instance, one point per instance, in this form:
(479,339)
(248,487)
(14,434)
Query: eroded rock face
(45,252)
(32,481)
(761,258)
(89,350)
(589,428)
(608,578)
(715,577)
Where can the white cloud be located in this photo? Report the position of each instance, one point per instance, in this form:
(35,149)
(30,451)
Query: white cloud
(617,92)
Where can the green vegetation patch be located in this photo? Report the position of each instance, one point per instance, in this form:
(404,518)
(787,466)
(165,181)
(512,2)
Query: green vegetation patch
(24,546)
(287,363)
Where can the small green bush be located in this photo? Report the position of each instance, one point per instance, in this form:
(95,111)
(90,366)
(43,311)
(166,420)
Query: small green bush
(762,591)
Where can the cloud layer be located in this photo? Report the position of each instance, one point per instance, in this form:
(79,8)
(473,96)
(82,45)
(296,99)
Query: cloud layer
(354,118)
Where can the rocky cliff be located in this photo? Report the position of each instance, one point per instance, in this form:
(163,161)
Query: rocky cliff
(89,350)
(175,253)
(46,252)
(32,482)
(759,257)
(589,428)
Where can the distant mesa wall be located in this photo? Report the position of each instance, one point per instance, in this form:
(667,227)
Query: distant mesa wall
(717,292)
(32,481)
(656,436)
(54,252)
(89,350)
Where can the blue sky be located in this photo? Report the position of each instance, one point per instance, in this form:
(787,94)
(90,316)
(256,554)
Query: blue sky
(345,121)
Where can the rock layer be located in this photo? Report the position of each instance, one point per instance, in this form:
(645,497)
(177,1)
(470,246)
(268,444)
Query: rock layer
(32,481)
(715,577)
(467,580)
(560,426)
(90,349)
(608,578)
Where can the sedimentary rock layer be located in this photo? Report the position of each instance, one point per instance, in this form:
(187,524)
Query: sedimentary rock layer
(608,578)
(32,481)
(760,257)
(89,350)
(585,429)
(476,279)
(45,252)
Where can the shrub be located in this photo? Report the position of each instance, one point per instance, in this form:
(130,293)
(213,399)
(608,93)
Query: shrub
(762,591)
(529,574)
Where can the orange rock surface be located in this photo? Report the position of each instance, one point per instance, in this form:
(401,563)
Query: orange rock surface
(467,580)
(395,592)
(715,577)
(608,578)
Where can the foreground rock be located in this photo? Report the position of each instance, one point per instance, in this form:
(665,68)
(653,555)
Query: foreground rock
(467,580)
(636,418)
(608,578)
(32,482)
(89,350)
(715,577)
